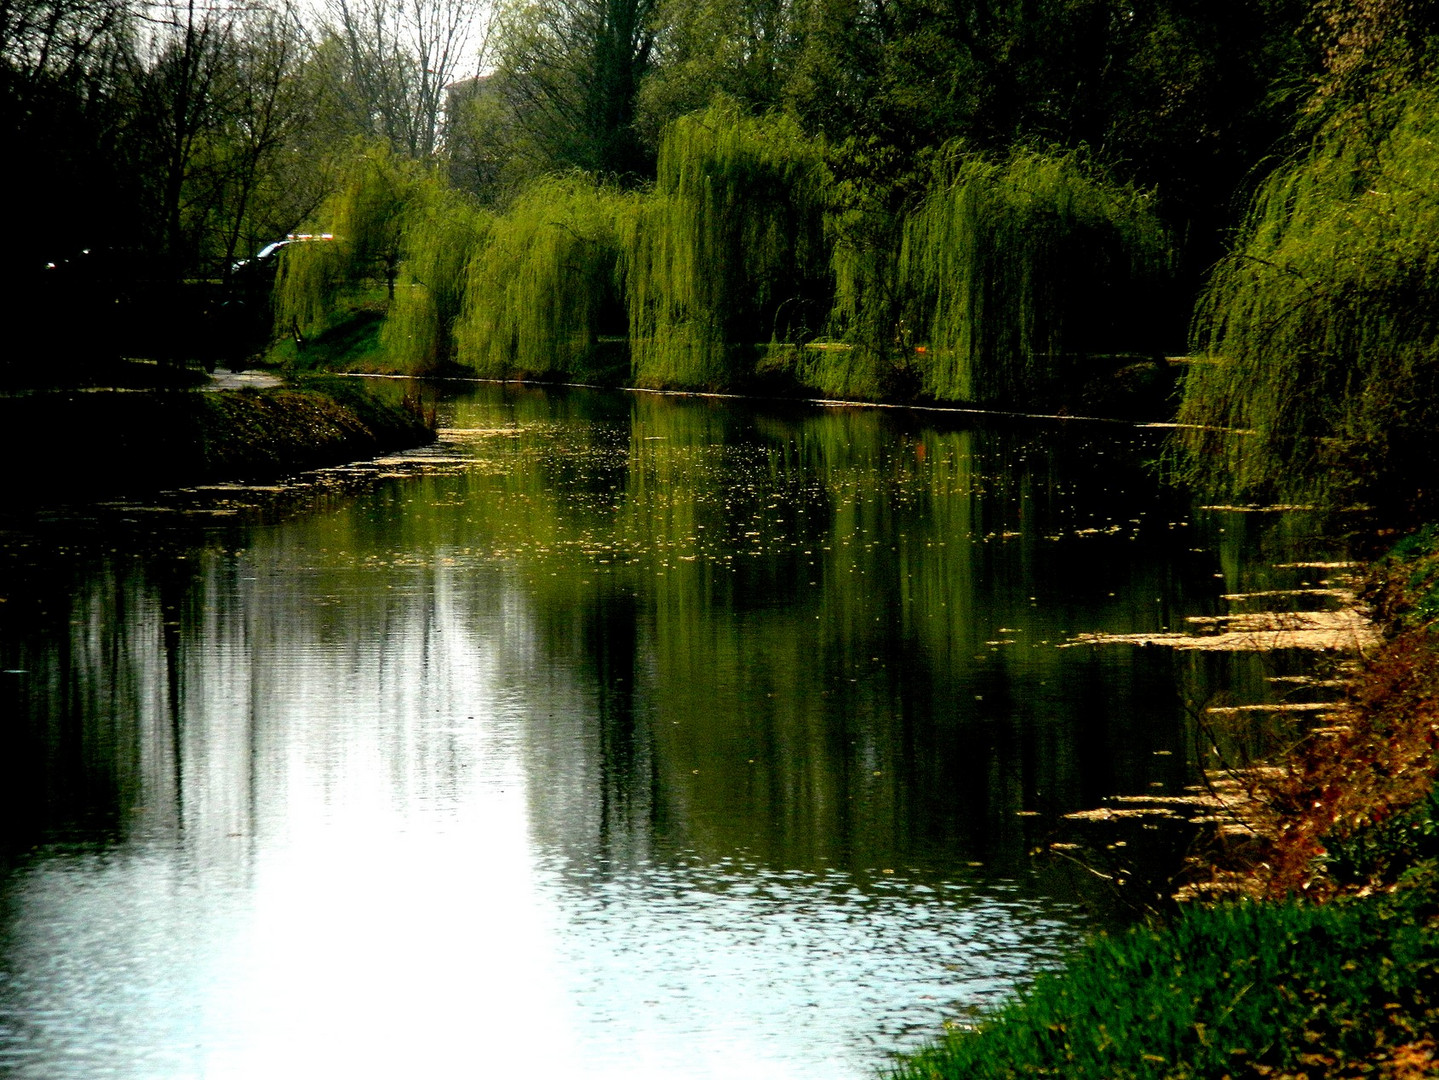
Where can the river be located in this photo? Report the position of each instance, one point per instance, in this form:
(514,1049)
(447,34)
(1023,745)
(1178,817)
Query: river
(614,736)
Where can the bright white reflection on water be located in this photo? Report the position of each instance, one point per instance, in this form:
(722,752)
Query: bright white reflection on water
(654,740)
(350,887)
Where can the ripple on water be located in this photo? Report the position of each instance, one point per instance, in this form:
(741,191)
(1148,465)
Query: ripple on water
(713,951)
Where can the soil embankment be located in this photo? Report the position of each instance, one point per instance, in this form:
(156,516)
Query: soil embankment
(79,444)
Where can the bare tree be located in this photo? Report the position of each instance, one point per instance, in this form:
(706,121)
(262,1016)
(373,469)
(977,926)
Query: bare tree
(266,109)
(59,40)
(572,71)
(181,85)
(395,59)
(61,63)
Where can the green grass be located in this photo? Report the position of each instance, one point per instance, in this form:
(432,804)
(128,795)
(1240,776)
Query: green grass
(350,340)
(1246,989)
(1403,586)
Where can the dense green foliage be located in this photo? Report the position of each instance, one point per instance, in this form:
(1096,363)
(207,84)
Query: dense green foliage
(1253,986)
(361,225)
(188,138)
(443,232)
(544,287)
(831,196)
(727,254)
(1321,324)
(756,256)
(1018,267)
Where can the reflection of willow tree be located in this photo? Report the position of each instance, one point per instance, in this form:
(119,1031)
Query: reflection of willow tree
(773,703)
(175,697)
(631,800)
(637,576)
(93,726)
(804,709)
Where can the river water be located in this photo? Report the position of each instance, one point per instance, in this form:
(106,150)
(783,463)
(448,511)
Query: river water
(616,735)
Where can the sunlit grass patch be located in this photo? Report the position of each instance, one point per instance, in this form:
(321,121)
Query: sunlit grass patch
(1243,989)
(349,340)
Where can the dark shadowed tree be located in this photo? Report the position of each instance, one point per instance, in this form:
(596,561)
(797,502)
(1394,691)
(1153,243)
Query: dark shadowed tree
(63,66)
(571,72)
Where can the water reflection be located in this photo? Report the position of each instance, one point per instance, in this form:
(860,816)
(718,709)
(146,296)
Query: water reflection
(636,736)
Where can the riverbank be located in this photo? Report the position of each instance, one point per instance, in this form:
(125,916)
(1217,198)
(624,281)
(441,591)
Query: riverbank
(87,443)
(1308,942)
(1119,387)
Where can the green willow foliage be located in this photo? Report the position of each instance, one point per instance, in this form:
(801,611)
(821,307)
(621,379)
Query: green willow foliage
(544,286)
(728,254)
(308,278)
(725,272)
(1016,268)
(1322,326)
(443,232)
(366,216)
(863,356)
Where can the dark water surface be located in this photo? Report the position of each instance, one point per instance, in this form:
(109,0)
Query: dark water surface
(619,736)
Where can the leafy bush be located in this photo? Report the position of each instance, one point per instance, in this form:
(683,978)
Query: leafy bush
(1323,324)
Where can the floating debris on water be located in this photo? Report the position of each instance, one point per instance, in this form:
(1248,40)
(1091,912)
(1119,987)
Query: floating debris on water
(1310,680)
(1209,801)
(1271,707)
(1109,813)
(1341,594)
(464,434)
(1344,630)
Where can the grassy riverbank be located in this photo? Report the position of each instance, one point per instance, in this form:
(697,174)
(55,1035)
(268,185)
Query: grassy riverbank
(1315,951)
(1117,387)
(113,441)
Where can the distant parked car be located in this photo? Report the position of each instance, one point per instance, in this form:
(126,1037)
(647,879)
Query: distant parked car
(243,317)
(267,252)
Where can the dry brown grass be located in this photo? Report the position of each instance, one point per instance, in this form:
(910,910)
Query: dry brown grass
(1374,760)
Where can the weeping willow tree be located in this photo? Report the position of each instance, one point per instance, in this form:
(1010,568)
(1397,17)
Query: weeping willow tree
(1017,269)
(365,217)
(442,233)
(728,256)
(1321,328)
(862,355)
(543,294)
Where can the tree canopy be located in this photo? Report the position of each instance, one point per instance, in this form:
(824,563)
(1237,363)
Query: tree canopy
(962,201)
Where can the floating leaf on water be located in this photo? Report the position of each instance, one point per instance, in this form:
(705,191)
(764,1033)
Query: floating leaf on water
(1271,707)
(1169,800)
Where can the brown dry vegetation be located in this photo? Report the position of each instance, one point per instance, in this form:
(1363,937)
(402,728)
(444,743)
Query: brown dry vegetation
(1347,812)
